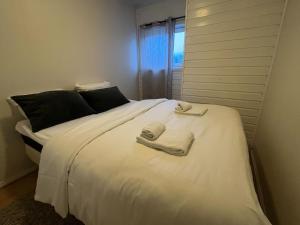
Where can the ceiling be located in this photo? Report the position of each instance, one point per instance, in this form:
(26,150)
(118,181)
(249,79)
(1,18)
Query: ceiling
(139,3)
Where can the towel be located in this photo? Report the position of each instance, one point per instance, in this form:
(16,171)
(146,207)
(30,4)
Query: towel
(153,130)
(174,142)
(183,106)
(194,112)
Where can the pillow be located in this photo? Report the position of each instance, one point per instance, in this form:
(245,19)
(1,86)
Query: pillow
(104,99)
(15,105)
(92,86)
(50,108)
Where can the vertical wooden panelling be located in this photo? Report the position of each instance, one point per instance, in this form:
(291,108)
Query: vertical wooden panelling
(229,49)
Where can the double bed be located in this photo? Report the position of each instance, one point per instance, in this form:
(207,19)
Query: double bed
(94,169)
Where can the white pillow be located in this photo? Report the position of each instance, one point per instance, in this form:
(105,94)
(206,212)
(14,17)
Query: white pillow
(92,86)
(16,105)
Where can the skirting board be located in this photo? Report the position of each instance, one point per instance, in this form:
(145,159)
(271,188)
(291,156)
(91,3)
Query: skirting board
(17,176)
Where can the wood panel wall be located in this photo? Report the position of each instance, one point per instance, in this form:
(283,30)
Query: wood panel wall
(229,50)
(176,83)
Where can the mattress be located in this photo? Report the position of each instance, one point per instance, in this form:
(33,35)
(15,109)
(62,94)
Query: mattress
(32,143)
(128,183)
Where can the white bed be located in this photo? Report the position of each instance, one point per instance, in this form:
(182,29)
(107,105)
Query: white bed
(95,170)
(43,136)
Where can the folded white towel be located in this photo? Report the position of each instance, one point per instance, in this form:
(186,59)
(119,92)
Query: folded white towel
(194,112)
(183,106)
(174,142)
(153,130)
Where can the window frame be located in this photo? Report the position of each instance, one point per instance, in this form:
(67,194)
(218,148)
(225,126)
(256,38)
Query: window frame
(178,28)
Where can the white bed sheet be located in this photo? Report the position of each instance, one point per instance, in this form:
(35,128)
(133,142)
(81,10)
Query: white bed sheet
(99,173)
(43,136)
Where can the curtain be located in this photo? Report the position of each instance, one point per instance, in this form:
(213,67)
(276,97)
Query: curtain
(155,60)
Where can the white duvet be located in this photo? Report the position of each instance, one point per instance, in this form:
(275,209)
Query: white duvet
(97,172)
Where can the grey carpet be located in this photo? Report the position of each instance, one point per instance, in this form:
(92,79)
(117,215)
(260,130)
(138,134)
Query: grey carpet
(26,211)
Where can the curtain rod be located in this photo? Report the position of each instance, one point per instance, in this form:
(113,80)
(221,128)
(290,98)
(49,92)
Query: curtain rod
(162,21)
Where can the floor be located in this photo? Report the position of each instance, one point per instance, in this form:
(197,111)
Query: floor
(17,189)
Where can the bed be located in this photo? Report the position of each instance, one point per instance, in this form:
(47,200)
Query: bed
(93,168)
(35,141)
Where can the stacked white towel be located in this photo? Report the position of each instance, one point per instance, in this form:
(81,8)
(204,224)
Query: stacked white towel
(173,142)
(194,112)
(186,108)
(183,106)
(153,130)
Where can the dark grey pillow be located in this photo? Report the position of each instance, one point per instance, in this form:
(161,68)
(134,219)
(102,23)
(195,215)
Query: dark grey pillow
(50,108)
(104,99)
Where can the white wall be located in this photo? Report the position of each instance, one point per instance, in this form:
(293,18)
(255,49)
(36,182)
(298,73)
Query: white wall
(278,141)
(160,11)
(229,50)
(54,44)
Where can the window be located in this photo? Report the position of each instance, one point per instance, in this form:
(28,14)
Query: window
(161,51)
(178,53)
